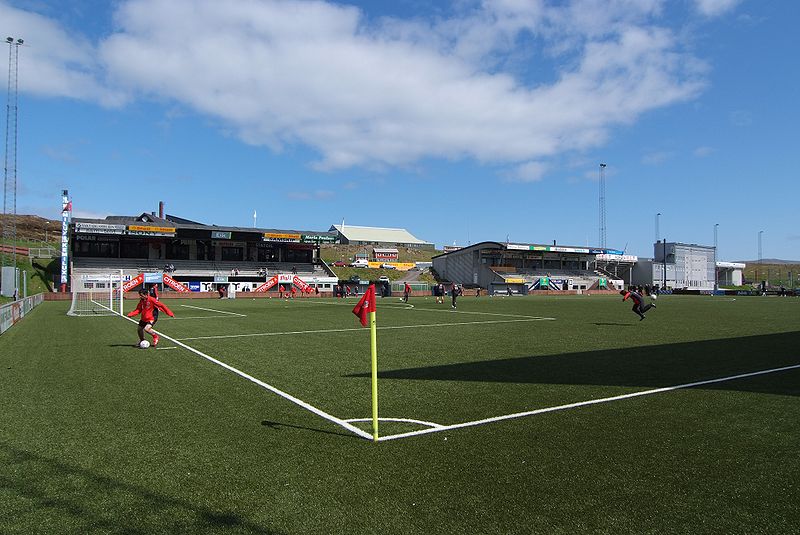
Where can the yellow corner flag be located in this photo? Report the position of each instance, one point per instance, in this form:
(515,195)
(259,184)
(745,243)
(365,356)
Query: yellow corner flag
(365,310)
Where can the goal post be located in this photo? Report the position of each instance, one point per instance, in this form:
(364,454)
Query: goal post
(96,294)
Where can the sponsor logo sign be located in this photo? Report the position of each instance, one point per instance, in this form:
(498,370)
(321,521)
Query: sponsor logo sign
(220,278)
(133,283)
(220,235)
(194,286)
(175,285)
(281,237)
(317,238)
(142,230)
(99,228)
(515,281)
(152,278)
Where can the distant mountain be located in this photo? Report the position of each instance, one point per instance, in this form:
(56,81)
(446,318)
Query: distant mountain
(770,261)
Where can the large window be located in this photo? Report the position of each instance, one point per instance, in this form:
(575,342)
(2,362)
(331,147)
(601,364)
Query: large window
(177,250)
(232,254)
(96,249)
(134,249)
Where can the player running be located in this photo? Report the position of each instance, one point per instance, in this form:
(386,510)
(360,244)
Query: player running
(147,305)
(406,292)
(638,302)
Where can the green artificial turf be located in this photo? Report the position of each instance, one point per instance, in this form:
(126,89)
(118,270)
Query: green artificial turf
(101,437)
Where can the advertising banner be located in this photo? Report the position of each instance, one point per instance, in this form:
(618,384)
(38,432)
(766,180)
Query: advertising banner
(300,283)
(220,235)
(153,278)
(316,238)
(175,285)
(66,215)
(133,283)
(143,230)
(281,237)
(267,285)
(194,286)
(99,228)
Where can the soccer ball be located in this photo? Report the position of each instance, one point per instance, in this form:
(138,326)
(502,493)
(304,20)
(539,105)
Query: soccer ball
(144,344)
(654,296)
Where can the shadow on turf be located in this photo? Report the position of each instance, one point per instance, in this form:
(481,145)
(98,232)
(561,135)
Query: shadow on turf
(647,366)
(71,495)
(278,425)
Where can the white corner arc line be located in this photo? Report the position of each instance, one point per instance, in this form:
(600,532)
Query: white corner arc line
(289,397)
(400,420)
(215,310)
(585,403)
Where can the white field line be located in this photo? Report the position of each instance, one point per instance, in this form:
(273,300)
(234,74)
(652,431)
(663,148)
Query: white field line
(402,420)
(195,317)
(447,309)
(361,329)
(583,403)
(214,310)
(289,397)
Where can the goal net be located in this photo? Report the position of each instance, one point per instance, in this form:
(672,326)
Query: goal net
(96,295)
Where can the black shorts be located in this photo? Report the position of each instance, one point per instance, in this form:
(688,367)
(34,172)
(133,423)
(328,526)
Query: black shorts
(144,324)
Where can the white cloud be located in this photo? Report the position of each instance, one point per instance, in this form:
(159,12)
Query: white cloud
(714,8)
(656,157)
(388,92)
(702,152)
(528,172)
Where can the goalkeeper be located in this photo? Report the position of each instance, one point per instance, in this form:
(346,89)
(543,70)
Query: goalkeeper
(146,307)
(639,307)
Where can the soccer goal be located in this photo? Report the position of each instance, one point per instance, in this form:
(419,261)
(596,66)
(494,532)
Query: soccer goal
(96,295)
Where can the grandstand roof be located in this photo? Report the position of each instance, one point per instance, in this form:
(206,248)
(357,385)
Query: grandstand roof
(377,234)
(533,247)
(181,223)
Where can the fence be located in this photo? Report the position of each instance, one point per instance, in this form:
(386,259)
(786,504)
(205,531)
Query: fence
(13,312)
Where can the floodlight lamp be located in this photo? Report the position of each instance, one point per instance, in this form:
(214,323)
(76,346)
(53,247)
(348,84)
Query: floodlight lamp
(9,39)
(20,41)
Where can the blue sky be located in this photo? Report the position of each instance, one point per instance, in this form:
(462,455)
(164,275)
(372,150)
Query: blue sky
(461,121)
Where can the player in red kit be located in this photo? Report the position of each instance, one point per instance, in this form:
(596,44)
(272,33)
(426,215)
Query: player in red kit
(147,305)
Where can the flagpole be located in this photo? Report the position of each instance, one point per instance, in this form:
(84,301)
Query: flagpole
(373,337)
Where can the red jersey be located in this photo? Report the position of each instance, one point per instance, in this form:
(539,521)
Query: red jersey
(146,306)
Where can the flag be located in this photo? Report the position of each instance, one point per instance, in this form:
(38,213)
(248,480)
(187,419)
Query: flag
(365,305)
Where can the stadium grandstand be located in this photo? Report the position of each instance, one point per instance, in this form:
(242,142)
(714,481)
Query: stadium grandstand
(382,237)
(516,268)
(190,256)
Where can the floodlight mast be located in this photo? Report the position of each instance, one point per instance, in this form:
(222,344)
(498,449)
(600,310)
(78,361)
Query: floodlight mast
(602,206)
(10,163)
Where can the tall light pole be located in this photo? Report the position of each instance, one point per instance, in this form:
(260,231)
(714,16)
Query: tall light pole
(658,221)
(602,206)
(716,278)
(10,166)
(760,232)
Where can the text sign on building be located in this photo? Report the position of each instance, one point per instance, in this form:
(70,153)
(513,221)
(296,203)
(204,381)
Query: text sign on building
(99,228)
(141,230)
(317,238)
(220,235)
(281,237)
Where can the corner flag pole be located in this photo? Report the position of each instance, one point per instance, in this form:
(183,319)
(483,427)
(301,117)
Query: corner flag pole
(373,337)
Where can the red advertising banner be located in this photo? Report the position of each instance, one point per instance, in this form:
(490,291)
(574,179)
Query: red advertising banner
(133,283)
(267,285)
(300,283)
(175,285)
